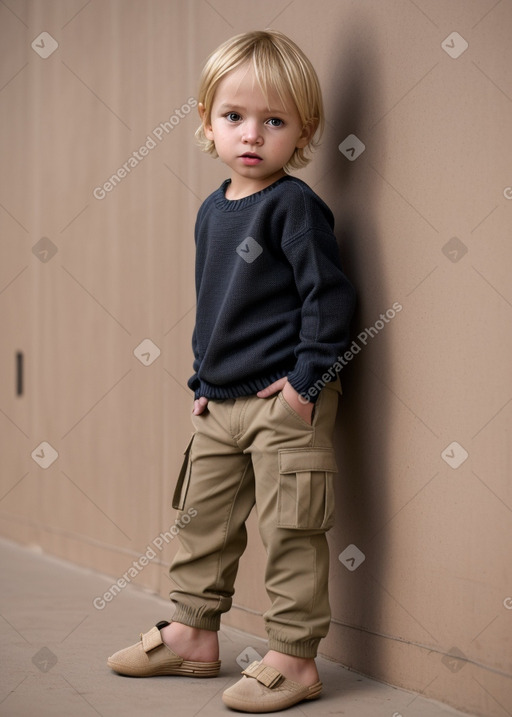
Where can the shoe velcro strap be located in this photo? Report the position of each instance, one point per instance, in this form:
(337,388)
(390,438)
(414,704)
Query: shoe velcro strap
(151,639)
(266,674)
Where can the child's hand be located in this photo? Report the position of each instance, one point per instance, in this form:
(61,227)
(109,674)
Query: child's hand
(200,405)
(273,388)
(292,398)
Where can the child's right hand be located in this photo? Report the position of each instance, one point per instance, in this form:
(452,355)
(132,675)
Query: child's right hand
(200,405)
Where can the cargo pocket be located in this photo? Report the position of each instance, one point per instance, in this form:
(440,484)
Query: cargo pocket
(306,488)
(180,492)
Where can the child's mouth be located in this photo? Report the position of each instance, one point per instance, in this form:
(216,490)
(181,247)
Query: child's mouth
(250,159)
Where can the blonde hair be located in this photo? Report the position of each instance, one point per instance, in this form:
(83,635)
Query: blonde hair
(278,65)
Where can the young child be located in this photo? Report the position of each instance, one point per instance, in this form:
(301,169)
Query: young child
(273,313)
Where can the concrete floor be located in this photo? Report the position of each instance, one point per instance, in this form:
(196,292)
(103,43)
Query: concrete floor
(55,645)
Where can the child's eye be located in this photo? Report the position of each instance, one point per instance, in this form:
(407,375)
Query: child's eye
(233,116)
(275,122)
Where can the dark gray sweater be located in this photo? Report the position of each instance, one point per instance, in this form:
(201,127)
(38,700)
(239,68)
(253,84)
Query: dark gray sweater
(272,300)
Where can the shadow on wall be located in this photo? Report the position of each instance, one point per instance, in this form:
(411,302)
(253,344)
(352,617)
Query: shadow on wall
(361,433)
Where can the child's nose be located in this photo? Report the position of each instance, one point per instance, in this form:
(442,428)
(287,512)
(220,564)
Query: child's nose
(251,133)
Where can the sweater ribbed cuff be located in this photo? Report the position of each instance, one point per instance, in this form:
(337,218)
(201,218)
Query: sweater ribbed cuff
(308,385)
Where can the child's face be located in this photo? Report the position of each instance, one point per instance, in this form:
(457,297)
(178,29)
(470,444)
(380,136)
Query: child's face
(252,140)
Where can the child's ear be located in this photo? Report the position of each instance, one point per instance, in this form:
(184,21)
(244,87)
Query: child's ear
(307,133)
(207,127)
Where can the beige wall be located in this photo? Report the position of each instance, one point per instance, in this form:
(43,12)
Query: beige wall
(427,609)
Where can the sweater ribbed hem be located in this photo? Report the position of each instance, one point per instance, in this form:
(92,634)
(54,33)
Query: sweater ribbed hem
(300,380)
(247,388)
(307,648)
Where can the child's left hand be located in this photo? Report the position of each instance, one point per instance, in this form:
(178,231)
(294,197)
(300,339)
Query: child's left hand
(292,398)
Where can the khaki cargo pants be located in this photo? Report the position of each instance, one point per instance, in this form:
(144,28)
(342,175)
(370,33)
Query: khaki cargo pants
(254,451)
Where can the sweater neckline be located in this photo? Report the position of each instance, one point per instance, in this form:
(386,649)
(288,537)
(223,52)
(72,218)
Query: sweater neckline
(233,205)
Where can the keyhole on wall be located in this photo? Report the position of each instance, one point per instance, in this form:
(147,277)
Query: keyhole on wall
(19,373)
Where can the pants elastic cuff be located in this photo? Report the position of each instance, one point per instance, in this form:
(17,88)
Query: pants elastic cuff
(193,618)
(307,648)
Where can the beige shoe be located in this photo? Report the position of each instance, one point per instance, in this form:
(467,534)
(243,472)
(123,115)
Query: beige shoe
(151,657)
(265,689)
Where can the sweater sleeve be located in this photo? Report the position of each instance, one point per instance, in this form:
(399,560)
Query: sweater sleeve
(328,301)
(193,383)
